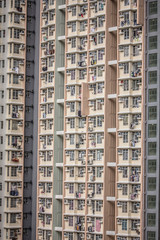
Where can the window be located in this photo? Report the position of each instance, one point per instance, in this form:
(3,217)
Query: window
(153,60)
(151,202)
(1,139)
(0,170)
(70,236)
(151,235)
(72,74)
(125,154)
(99,171)
(125,102)
(126,2)
(126,33)
(151,219)
(152,148)
(0,186)
(99,188)
(73,42)
(15,94)
(124,224)
(72,106)
(16,48)
(73,11)
(152,95)
(70,204)
(100,38)
(152,42)
(71,154)
(13,218)
(73,58)
(71,172)
(152,166)
(72,123)
(152,130)
(152,77)
(99,205)
(13,171)
(151,184)
(124,207)
(71,139)
(73,26)
(1,155)
(100,21)
(153,25)
(0,202)
(124,189)
(82,26)
(152,113)
(71,188)
(99,121)
(99,138)
(126,51)
(125,85)
(70,220)
(124,172)
(125,137)
(13,202)
(153,7)
(126,68)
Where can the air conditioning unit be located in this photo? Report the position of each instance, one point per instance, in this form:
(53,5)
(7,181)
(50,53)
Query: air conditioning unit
(119,186)
(119,204)
(19,216)
(120,134)
(119,221)
(119,151)
(66,201)
(50,153)
(20,169)
(67,136)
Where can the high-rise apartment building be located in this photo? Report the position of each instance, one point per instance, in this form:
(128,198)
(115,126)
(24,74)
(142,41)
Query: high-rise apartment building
(79,119)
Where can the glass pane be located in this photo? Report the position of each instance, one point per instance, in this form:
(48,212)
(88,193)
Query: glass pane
(152,77)
(151,166)
(153,42)
(153,8)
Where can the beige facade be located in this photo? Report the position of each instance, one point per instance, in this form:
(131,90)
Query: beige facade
(46,121)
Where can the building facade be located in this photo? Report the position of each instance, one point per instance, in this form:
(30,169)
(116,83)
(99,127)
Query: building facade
(79,119)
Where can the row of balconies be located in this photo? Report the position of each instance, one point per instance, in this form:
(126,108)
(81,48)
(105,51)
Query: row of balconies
(76,125)
(130,104)
(130,53)
(93,224)
(130,35)
(128,4)
(129,175)
(72,143)
(79,44)
(13,233)
(43,233)
(45,189)
(45,221)
(95,107)
(129,155)
(96,74)
(130,87)
(128,191)
(129,121)
(48,6)
(76,29)
(132,226)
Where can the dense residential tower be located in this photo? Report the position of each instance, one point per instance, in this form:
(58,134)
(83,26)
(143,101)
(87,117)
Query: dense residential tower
(79,119)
